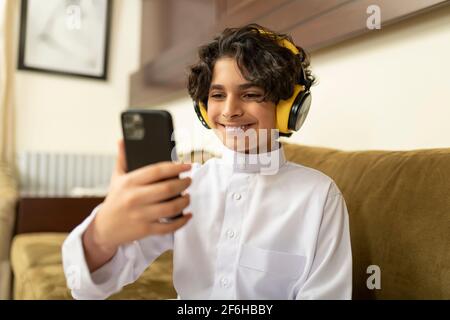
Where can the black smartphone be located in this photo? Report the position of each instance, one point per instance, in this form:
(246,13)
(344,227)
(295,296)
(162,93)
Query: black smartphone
(148,138)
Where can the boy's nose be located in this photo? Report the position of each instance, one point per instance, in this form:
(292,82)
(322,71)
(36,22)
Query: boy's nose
(232,109)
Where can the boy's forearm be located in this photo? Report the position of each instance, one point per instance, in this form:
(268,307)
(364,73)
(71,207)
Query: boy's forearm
(96,254)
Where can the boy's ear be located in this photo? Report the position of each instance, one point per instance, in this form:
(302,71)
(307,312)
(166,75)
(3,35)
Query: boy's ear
(202,114)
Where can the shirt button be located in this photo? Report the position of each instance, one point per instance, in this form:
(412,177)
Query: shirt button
(230,233)
(237,196)
(224,282)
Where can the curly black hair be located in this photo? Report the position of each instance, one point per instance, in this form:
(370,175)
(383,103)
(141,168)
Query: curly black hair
(261,60)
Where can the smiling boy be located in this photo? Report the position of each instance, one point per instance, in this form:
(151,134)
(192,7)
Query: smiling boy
(261,227)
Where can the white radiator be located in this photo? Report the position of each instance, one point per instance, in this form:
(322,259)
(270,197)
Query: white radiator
(64,174)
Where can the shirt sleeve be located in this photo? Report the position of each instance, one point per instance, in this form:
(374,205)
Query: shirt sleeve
(330,276)
(129,262)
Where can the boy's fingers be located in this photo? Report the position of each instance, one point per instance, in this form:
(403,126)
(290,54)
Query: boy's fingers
(164,228)
(169,208)
(160,191)
(157,172)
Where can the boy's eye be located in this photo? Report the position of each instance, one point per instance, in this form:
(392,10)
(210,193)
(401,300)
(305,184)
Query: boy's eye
(217,95)
(253,96)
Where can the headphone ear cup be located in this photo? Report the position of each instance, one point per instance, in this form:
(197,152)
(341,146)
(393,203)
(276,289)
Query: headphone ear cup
(299,110)
(284,111)
(200,110)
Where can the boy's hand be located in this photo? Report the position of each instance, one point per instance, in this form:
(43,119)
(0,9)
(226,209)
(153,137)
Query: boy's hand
(133,207)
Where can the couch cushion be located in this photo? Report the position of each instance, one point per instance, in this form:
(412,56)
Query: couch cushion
(399,208)
(37,266)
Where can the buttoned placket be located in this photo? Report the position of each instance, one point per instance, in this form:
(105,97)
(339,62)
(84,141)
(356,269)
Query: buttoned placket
(237,198)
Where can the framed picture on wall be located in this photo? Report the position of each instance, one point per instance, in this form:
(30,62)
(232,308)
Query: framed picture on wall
(68,37)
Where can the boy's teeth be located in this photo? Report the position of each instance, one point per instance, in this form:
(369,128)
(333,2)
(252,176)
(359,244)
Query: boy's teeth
(235,128)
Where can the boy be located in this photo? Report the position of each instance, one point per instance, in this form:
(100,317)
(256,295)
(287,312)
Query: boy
(255,233)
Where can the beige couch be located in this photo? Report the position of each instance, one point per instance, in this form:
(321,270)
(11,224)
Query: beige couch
(399,207)
(8,198)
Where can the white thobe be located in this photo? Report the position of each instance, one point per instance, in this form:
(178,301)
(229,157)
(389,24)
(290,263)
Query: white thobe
(262,228)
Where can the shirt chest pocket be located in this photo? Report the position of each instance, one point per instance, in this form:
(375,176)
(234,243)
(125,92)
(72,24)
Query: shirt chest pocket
(269,274)
(273,262)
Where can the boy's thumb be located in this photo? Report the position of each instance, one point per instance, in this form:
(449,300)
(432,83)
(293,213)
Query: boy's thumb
(121,163)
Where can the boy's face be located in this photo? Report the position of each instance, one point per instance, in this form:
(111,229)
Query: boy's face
(240,116)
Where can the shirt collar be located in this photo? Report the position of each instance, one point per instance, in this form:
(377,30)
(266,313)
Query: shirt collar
(265,163)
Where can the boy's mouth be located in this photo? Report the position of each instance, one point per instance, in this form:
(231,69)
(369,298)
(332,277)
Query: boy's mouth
(232,128)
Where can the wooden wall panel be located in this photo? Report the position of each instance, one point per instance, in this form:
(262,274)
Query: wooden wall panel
(349,20)
(297,12)
(246,12)
(314,24)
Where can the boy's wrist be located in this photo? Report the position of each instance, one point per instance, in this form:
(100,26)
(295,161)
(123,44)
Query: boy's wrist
(93,243)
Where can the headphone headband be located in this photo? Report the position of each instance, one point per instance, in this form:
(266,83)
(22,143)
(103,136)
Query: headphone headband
(286,43)
(282,42)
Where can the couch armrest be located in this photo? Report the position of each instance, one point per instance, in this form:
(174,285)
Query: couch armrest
(53,214)
(8,197)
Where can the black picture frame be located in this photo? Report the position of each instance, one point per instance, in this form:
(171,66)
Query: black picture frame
(24,45)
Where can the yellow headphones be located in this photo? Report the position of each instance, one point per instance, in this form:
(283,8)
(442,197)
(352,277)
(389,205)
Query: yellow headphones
(290,113)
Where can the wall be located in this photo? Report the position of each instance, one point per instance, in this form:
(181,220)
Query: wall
(58,113)
(389,89)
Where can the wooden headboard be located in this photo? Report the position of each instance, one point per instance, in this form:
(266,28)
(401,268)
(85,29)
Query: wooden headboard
(173,29)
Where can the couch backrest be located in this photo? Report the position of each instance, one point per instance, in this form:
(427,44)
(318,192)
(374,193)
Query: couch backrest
(399,208)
